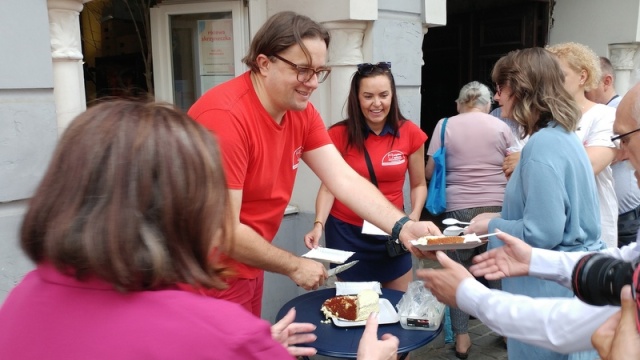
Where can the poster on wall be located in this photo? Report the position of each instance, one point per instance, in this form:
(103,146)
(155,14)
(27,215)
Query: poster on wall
(215,47)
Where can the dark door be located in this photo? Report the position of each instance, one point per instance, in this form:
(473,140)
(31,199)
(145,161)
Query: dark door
(466,49)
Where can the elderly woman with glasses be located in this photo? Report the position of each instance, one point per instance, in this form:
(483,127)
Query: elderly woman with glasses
(379,143)
(476,144)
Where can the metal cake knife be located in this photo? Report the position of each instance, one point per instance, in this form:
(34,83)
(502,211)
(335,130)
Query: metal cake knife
(341,268)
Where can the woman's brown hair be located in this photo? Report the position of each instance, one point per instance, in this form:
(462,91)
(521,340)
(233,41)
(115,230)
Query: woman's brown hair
(135,195)
(536,84)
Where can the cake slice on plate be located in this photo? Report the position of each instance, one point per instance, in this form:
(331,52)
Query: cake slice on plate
(352,308)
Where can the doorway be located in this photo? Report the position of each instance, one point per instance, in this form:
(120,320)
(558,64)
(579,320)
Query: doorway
(475,37)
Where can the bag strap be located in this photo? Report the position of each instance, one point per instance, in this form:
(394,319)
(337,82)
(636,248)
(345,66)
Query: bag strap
(444,125)
(372,174)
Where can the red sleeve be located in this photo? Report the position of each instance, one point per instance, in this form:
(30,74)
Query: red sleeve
(416,135)
(338,135)
(317,134)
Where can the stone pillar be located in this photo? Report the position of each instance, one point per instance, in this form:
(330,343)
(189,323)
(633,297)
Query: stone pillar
(345,52)
(66,51)
(622,58)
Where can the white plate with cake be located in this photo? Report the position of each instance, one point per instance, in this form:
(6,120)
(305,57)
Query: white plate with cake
(353,310)
(442,242)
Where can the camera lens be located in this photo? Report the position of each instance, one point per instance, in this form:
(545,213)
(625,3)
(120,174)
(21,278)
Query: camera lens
(597,279)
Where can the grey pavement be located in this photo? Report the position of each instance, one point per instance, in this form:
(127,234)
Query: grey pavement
(485,345)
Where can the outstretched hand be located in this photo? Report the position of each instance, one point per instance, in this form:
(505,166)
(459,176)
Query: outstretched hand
(618,337)
(414,230)
(512,259)
(370,348)
(288,333)
(480,223)
(443,283)
(312,238)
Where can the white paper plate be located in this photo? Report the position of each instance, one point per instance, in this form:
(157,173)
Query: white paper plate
(331,255)
(387,315)
(470,241)
(369,228)
(355,287)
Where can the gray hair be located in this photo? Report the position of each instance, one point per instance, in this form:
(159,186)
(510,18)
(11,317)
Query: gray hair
(474,94)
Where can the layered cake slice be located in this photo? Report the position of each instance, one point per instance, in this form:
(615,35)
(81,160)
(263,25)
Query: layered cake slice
(440,240)
(350,307)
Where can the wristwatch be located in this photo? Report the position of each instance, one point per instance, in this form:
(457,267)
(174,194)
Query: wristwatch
(395,232)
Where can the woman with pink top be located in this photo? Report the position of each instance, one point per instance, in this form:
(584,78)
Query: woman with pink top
(131,205)
(476,144)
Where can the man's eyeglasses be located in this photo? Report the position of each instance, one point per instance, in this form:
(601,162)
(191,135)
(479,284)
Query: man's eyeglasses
(622,136)
(367,68)
(305,73)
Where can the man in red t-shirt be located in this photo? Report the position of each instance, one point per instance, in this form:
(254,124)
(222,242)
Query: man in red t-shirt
(265,125)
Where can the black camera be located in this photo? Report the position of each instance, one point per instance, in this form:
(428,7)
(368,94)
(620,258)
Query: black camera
(597,279)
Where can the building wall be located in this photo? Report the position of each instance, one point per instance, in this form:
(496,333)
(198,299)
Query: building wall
(395,36)
(28,129)
(595,23)
(599,25)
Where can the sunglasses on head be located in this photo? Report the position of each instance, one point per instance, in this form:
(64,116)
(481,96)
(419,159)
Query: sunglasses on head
(367,68)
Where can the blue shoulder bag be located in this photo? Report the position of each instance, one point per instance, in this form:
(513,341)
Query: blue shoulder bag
(437,195)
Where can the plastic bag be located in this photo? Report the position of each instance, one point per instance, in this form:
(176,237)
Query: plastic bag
(419,309)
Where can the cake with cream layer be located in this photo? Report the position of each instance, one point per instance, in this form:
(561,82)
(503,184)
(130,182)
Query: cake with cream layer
(440,240)
(350,307)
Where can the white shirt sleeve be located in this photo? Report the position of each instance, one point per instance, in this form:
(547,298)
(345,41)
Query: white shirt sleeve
(563,325)
(596,126)
(558,265)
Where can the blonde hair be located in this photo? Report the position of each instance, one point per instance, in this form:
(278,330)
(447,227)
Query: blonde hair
(580,57)
(474,94)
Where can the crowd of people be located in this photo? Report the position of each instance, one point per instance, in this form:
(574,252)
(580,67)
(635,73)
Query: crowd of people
(155,222)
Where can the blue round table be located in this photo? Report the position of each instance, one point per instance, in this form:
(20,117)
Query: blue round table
(342,342)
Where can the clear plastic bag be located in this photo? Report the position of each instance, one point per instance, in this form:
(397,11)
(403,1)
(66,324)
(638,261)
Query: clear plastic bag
(419,309)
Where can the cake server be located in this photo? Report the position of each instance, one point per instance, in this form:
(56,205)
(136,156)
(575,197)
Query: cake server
(341,268)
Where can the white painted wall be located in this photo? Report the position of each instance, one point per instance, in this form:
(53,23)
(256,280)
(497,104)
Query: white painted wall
(28,130)
(595,23)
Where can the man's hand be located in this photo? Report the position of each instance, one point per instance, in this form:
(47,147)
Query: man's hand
(370,348)
(443,283)
(287,333)
(512,259)
(312,238)
(618,337)
(413,230)
(509,163)
(308,274)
